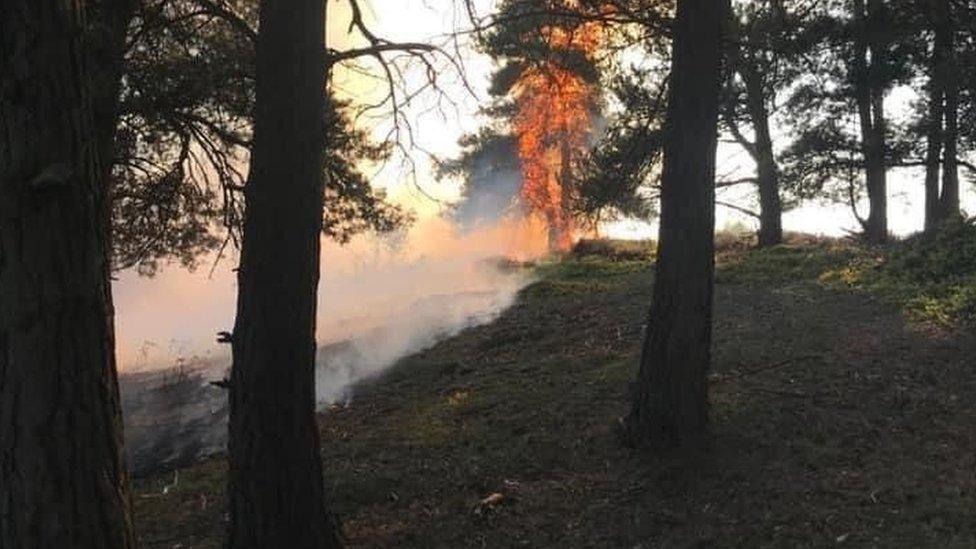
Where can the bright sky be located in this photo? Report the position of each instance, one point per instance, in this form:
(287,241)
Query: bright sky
(437,120)
(437,130)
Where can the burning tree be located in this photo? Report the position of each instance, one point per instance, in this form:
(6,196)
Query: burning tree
(584,125)
(555,108)
(548,98)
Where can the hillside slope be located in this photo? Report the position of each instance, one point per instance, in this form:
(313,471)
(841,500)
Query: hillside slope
(835,421)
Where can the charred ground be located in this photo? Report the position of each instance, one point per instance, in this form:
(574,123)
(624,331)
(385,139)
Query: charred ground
(836,420)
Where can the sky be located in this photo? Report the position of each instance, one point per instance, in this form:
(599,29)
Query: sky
(437,120)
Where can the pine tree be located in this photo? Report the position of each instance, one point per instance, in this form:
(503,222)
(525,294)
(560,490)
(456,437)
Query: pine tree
(670,401)
(63,481)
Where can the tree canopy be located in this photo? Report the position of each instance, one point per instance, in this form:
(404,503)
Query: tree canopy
(184,136)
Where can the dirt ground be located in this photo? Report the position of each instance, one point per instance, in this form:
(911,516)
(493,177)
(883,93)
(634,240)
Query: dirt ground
(835,422)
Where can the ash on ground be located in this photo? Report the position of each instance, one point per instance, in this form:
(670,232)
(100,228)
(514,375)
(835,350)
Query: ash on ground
(176,416)
(173,416)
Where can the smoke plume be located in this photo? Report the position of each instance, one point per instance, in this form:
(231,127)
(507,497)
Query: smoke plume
(380,299)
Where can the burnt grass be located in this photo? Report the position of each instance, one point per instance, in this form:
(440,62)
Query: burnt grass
(835,422)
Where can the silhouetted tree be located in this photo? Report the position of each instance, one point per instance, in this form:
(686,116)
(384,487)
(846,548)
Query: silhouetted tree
(870,83)
(184,136)
(670,400)
(62,478)
(277,494)
(942,19)
(620,177)
(612,179)
(861,51)
(760,67)
(937,45)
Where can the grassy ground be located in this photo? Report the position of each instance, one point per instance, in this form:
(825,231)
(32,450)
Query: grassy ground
(836,422)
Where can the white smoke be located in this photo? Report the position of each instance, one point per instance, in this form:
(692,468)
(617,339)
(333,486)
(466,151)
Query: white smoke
(380,299)
(396,301)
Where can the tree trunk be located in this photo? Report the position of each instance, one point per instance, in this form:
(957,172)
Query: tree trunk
(868,69)
(770,205)
(276,491)
(564,237)
(62,476)
(949,198)
(933,151)
(670,401)
(877,175)
(108,24)
(936,115)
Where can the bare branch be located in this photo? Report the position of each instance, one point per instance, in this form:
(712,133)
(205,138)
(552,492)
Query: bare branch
(336,56)
(738,208)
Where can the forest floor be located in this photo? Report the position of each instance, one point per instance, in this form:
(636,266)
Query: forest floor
(836,422)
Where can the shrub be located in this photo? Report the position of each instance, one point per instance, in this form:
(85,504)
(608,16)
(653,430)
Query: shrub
(615,250)
(932,276)
(946,256)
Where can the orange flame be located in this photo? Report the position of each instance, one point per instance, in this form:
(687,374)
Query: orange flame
(552,125)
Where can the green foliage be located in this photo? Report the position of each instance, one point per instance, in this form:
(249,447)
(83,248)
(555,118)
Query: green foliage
(590,268)
(620,175)
(593,267)
(785,263)
(183,138)
(351,205)
(523,40)
(948,256)
(932,277)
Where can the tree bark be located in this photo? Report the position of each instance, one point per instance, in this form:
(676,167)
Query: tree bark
(108,25)
(949,197)
(877,173)
(107,28)
(62,477)
(770,205)
(276,490)
(562,235)
(670,400)
(942,202)
(742,62)
(933,151)
(869,61)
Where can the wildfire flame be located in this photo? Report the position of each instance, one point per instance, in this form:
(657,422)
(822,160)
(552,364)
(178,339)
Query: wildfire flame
(552,125)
